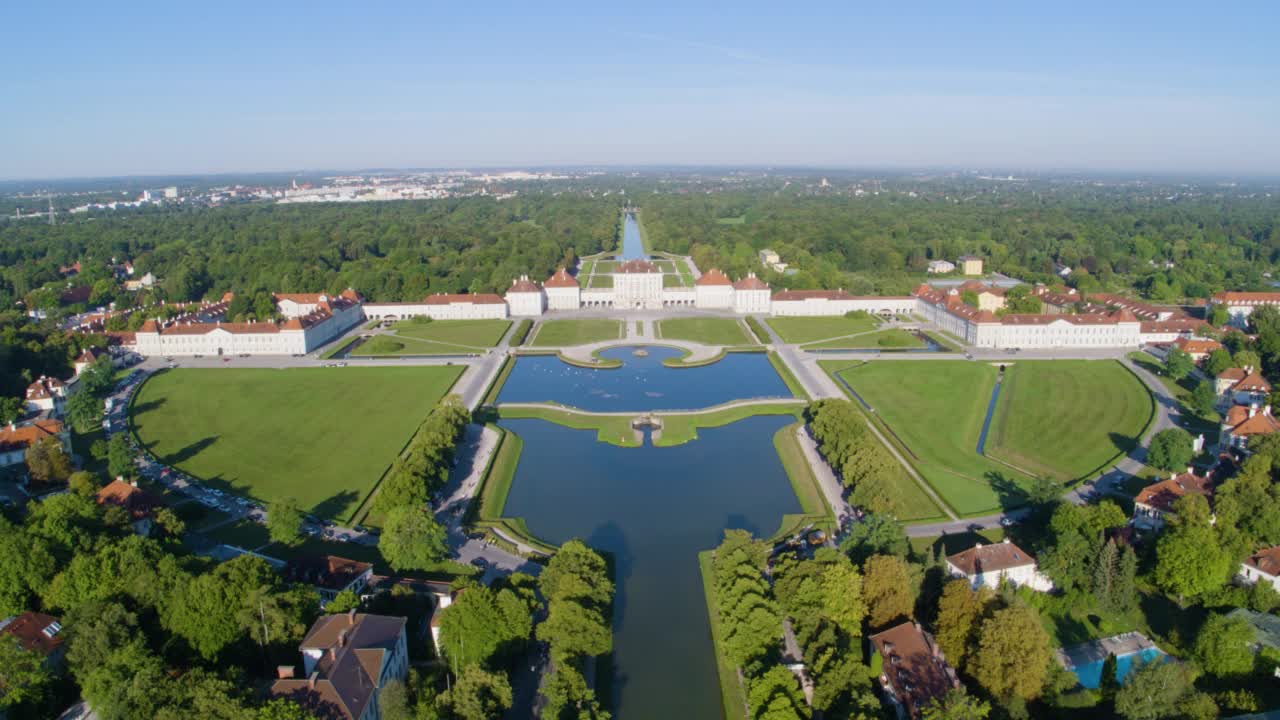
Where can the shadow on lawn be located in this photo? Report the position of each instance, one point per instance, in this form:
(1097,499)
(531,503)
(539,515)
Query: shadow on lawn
(336,507)
(1008,493)
(144,407)
(190,451)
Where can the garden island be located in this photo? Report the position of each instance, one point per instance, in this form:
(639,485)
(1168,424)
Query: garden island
(649,480)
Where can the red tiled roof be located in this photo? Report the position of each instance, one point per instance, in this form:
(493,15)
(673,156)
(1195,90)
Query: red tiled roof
(136,501)
(242,328)
(329,571)
(561,278)
(991,558)
(636,266)
(35,632)
(1247,298)
(913,666)
(21,437)
(751,282)
(469,299)
(44,388)
(1070,318)
(1252,382)
(71,296)
(523,285)
(300,298)
(1234,374)
(1266,560)
(1241,423)
(713,277)
(1161,495)
(345,677)
(1197,346)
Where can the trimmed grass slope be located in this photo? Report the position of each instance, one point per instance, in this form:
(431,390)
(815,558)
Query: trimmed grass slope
(559,333)
(1067,418)
(321,435)
(813,329)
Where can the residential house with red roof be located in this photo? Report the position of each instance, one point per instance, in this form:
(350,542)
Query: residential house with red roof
(1197,348)
(45,394)
(1242,386)
(989,565)
(1153,505)
(17,438)
(913,671)
(1242,423)
(347,660)
(330,575)
(37,633)
(136,502)
(1262,566)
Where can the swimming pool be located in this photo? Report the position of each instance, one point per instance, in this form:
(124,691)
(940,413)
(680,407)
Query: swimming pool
(1090,674)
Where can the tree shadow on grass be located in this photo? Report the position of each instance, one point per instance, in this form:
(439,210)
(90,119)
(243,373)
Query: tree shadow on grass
(336,506)
(1008,493)
(190,451)
(139,408)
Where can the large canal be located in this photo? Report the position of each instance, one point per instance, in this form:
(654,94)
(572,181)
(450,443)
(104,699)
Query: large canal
(632,245)
(643,382)
(654,509)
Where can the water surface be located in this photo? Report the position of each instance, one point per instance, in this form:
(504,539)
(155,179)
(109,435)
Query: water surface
(654,509)
(642,383)
(632,246)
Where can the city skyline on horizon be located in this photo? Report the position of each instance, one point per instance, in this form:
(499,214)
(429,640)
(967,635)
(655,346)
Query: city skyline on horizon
(160,91)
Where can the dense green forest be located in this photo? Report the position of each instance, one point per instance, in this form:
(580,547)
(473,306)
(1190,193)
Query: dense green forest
(883,243)
(387,251)
(1161,244)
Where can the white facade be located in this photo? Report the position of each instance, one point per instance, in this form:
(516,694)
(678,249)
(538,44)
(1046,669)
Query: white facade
(1059,333)
(442,307)
(752,301)
(563,298)
(638,290)
(525,298)
(714,297)
(939,267)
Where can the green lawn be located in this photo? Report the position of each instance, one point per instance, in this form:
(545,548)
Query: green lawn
(678,429)
(600,281)
(1067,418)
(711,331)
(559,333)
(936,409)
(471,333)
(1054,417)
(892,339)
(813,329)
(321,435)
(676,280)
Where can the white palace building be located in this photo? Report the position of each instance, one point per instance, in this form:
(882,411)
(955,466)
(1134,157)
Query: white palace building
(311,320)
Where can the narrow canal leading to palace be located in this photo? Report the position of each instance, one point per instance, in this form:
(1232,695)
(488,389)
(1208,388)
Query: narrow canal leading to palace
(643,382)
(632,245)
(654,509)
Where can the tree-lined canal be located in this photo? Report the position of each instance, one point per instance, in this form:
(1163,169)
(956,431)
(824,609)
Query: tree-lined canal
(654,509)
(632,245)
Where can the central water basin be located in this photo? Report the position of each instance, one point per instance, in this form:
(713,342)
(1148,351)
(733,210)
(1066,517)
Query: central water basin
(643,382)
(654,509)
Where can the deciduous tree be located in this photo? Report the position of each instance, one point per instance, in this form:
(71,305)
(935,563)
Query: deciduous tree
(1223,646)
(284,521)
(886,585)
(1012,655)
(412,539)
(477,695)
(1170,450)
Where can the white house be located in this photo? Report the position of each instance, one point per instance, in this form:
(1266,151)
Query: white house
(45,394)
(1153,505)
(941,267)
(1262,566)
(714,290)
(137,503)
(347,659)
(1242,386)
(524,298)
(989,565)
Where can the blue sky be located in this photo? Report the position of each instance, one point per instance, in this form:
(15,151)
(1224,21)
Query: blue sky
(140,88)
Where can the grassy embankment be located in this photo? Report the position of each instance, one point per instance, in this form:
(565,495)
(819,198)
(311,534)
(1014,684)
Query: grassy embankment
(803,330)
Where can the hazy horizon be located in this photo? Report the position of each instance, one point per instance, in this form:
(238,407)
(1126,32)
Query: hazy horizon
(174,90)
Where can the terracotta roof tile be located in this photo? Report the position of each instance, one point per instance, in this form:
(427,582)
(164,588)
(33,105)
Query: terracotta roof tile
(561,278)
(469,299)
(991,558)
(1161,495)
(1247,298)
(136,501)
(1266,560)
(751,282)
(35,632)
(913,666)
(636,266)
(713,277)
(21,437)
